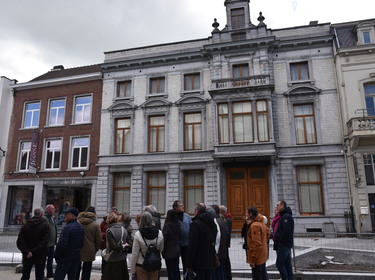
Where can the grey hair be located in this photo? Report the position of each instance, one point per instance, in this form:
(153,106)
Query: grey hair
(38,212)
(150,208)
(223,208)
(146,220)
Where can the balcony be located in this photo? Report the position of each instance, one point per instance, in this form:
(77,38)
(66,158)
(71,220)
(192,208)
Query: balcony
(252,81)
(361,130)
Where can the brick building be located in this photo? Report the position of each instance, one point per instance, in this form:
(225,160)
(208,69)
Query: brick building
(53,143)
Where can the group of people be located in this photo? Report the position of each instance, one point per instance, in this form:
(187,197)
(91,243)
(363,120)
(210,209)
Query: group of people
(201,242)
(256,241)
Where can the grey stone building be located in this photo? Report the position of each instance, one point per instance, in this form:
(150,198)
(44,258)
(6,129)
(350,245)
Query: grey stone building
(244,117)
(354,47)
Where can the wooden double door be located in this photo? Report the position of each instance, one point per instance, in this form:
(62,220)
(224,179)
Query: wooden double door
(247,187)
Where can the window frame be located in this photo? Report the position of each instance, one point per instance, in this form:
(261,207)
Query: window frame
(194,130)
(295,117)
(75,113)
(299,72)
(300,184)
(158,134)
(124,131)
(192,76)
(117,187)
(220,127)
(241,67)
(251,114)
(158,80)
(187,187)
(20,156)
(33,112)
(261,113)
(126,94)
(162,187)
(53,154)
(72,147)
(369,167)
(369,97)
(50,108)
(237,20)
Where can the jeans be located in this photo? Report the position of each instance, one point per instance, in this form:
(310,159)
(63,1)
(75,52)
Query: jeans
(51,251)
(69,269)
(26,270)
(173,269)
(85,267)
(284,262)
(259,272)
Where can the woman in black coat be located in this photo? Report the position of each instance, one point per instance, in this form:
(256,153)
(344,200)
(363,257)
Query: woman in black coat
(172,240)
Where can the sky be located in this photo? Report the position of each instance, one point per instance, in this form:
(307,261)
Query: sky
(36,35)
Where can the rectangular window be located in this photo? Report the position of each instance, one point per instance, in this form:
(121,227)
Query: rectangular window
(52,154)
(241,70)
(370,98)
(157,85)
(192,81)
(262,121)
(80,152)
(21,204)
(24,156)
(124,89)
(156,134)
(122,138)
(193,189)
(310,190)
(83,107)
(156,190)
(223,116)
(304,121)
(121,192)
(56,112)
(238,18)
(243,122)
(299,71)
(369,161)
(366,37)
(193,131)
(32,112)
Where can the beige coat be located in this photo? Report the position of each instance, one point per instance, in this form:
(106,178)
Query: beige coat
(93,236)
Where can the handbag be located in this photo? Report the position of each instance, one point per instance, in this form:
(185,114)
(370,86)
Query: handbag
(106,255)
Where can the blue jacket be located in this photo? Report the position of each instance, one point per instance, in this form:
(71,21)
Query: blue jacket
(285,229)
(70,243)
(185,228)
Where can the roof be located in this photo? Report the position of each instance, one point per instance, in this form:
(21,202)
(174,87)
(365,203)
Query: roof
(346,36)
(60,72)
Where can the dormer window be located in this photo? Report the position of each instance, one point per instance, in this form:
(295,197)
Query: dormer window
(366,37)
(365,33)
(238,18)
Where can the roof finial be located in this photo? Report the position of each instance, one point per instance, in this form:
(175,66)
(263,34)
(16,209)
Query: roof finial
(261,18)
(215,25)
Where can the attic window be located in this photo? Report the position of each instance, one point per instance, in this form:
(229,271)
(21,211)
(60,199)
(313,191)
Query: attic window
(366,37)
(238,18)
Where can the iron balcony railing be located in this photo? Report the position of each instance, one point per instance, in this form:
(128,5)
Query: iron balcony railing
(259,80)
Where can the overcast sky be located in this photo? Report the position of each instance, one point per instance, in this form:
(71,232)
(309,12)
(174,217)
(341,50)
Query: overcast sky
(38,34)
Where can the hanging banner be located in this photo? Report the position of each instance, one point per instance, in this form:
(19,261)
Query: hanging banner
(34,152)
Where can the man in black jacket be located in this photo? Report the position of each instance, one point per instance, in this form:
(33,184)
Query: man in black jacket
(202,236)
(283,241)
(32,241)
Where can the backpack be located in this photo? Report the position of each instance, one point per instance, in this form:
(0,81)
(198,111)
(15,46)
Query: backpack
(152,258)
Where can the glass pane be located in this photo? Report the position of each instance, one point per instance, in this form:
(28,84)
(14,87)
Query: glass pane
(84,157)
(242,107)
(193,118)
(257,174)
(121,200)
(123,123)
(261,106)
(161,139)
(300,131)
(308,174)
(197,81)
(294,72)
(243,130)
(369,171)
(366,37)
(123,181)
(188,82)
(127,141)
(224,129)
(239,175)
(157,198)
(56,161)
(152,139)
(75,162)
(197,137)
(157,179)
(157,120)
(194,178)
(193,196)
(119,141)
(21,204)
(310,198)
(223,109)
(188,137)
(304,71)
(310,129)
(263,127)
